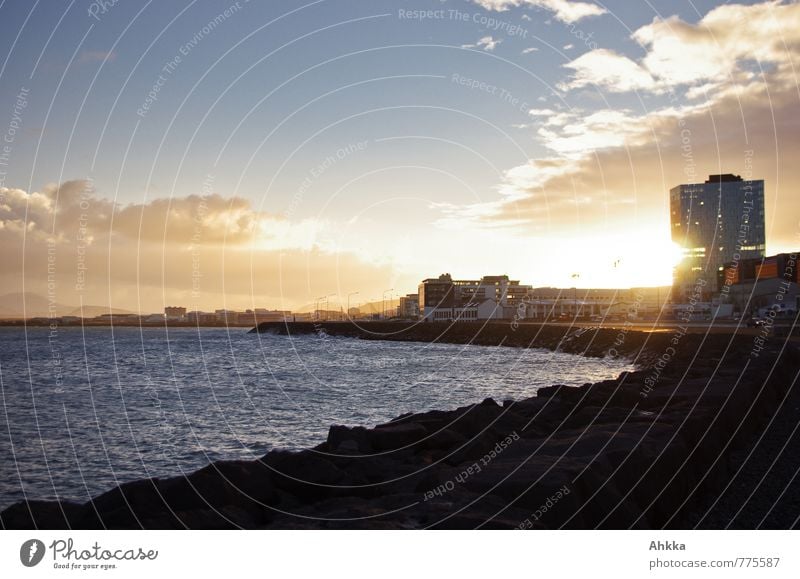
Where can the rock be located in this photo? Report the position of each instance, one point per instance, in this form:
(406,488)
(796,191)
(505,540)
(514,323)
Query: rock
(307,475)
(43,515)
(445,439)
(348,440)
(396,436)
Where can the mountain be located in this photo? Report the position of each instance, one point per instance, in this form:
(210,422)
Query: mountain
(365,308)
(93,311)
(375,307)
(32,305)
(29,305)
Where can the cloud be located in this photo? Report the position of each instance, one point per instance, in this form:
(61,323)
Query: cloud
(564,10)
(142,255)
(722,43)
(611,170)
(732,43)
(609,70)
(529,50)
(57,210)
(487,43)
(602,155)
(612,167)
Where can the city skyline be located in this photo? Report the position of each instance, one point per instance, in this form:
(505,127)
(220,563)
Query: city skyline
(240,161)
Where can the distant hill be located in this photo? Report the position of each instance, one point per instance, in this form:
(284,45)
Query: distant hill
(31,305)
(375,307)
(366,308)
(92,311)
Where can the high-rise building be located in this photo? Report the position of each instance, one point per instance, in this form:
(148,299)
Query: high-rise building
(717,222)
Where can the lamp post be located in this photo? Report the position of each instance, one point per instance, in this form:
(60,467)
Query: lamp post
(575,294)
(327,306)
(316,307)
(383,302)
(348,302)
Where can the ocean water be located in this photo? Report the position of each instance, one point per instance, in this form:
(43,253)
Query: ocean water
(86,409)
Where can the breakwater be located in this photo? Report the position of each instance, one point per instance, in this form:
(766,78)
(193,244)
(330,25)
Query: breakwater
(596,342)
(639,451)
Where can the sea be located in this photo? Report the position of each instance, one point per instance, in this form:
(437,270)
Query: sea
(86,409)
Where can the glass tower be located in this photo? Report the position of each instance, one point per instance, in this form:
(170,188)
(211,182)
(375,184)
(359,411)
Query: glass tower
(717,222)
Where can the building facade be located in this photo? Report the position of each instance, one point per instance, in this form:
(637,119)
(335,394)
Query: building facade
(754,286)
(716,222)
(408,308)
(175,313)
(491,297)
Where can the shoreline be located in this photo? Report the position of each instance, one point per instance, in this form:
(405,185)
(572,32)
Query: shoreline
(639,451)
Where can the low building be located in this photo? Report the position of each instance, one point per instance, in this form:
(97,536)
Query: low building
(757,287)
(260,315)
(227,317)
(153,319)
(611,304)
(201,318)
(491,297)
(408,308)
(175,313)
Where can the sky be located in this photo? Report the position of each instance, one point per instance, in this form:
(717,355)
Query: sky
(265,154)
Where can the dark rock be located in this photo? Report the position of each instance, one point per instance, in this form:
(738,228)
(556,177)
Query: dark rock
(396,436)
(306,474)
(348,440)
(43,515)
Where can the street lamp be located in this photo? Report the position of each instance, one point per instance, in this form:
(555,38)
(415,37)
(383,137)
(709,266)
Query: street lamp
(383,302)
(316,306)
(348,302)
(575,294)
(327,306)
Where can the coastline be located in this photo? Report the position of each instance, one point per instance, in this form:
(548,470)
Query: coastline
(640,451)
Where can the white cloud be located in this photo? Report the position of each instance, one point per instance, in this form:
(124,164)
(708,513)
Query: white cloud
(57,212)
(487,43)
(607,69)
(564,10)
(529,50)
(553,118)
(725,46)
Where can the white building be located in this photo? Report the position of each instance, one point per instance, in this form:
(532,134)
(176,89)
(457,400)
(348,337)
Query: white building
(491,297)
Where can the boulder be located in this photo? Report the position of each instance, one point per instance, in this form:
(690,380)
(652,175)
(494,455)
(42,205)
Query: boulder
(396,436)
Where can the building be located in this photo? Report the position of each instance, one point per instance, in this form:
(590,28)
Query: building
(755,287)
(227,317)
(260,315)
(408,308)
(553,304)
(201,318)
(328,316)
(491,297)
(153,319)
(716,222)
(174,313)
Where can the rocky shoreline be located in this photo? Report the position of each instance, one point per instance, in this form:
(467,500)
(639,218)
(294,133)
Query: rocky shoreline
(645,450)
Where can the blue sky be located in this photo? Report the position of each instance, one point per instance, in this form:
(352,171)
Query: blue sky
(232,69)
(431,122)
